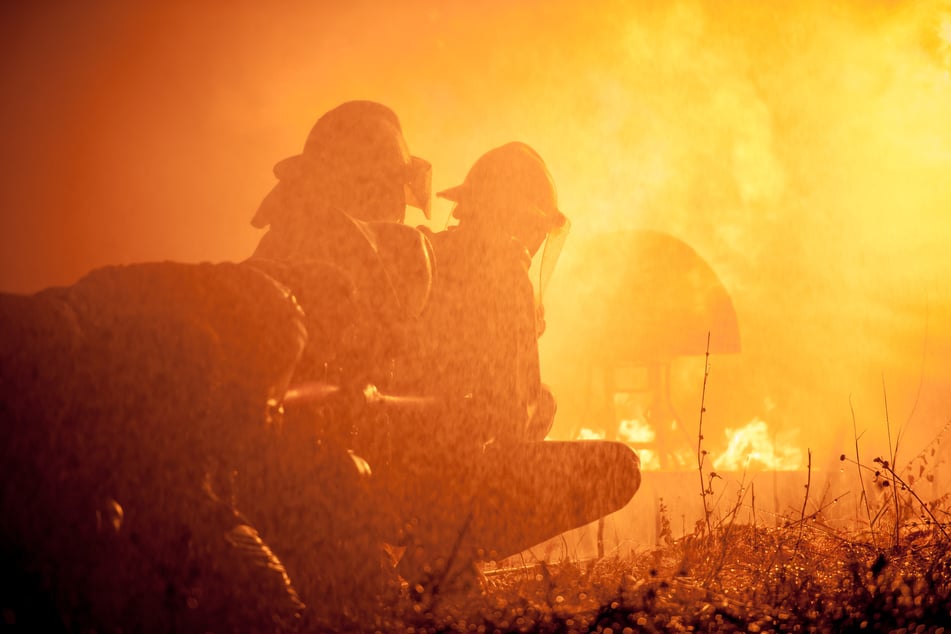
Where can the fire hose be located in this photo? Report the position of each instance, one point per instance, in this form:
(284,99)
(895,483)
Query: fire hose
(315,392)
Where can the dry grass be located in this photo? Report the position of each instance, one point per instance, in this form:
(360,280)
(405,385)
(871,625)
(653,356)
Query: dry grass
(763,579)
(888,571)
(754,580)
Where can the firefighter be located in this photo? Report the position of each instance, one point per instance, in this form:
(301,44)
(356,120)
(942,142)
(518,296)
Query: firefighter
(480,483)
(336,238)
(337,210)
(485,315)
(128,400)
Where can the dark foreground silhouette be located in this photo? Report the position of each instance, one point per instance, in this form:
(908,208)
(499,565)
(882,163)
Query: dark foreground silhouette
(351,417)
(150,482)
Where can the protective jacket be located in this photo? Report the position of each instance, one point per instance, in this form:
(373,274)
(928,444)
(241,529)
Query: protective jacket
(479,330)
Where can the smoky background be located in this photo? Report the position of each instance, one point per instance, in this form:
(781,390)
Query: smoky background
(802,149)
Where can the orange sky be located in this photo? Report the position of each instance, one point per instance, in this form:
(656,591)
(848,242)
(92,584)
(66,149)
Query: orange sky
(803,151)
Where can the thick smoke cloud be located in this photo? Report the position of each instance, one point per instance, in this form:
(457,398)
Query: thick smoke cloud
(801,149)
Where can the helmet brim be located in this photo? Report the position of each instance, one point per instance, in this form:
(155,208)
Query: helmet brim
(290,168)
(455,194)
(419,185)
(552,219)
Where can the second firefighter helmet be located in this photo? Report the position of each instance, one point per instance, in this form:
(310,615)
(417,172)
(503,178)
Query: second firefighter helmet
(508,186)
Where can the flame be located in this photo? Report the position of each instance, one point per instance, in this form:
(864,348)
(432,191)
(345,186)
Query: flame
(636,431)
(639,432)
(751,447)
(653,455)
(633,432)
(586,433)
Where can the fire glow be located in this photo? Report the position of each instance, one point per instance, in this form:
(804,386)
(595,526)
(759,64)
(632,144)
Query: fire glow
(801,152)
(753,448)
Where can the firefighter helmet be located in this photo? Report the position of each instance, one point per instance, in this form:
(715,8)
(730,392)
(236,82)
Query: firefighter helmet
(508,184)
(361,145)
(510,187)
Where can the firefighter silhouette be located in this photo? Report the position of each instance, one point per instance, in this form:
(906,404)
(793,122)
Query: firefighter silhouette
(128,399)
(336,239)
(475,476)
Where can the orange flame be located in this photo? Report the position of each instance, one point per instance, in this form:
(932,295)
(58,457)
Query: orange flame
(752,447)
(636,431)
(586,433)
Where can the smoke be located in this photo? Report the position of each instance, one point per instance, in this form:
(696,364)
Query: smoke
(804,154)
(801,149)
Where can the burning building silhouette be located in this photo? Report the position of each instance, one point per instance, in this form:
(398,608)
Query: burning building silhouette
(644,299)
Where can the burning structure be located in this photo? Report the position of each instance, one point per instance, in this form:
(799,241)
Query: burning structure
(647,299)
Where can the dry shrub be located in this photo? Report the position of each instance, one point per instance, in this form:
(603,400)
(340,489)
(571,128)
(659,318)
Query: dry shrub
(802,575)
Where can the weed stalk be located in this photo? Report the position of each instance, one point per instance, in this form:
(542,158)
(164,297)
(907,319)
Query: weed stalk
(893,456)
(805,499)
(701,452)
(858,463)
(889,468)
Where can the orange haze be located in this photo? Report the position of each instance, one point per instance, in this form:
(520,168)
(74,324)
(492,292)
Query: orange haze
(802,149)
